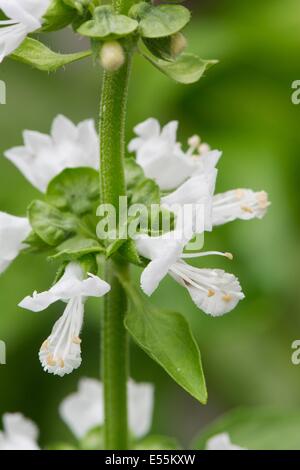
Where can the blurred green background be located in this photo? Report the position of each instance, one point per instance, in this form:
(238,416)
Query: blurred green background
(243,106)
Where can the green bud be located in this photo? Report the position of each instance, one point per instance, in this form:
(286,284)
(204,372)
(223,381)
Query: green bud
(112,56)
(178,44)
(168,48)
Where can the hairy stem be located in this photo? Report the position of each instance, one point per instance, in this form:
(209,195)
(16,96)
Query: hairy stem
(112,186)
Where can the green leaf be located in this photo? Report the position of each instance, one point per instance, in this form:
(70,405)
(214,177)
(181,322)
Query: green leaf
(78,5)
(129,252)
(75,248)
(35,244)
(160,47)
(187,69)
(157,443)
(75,190)
(257,429)
(147,192)
(50,224)
(160,21)
(107,24)
(35,53)
(167,338)
(134,174)
(57,16)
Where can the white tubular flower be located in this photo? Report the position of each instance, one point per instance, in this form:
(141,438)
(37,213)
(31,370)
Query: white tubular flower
(222,442)
(60,354)
(19,433)
(196,192)
(162,158)
(25,16)
(13,231)
(242,204)
(212,290)
(44,156)
(84,410)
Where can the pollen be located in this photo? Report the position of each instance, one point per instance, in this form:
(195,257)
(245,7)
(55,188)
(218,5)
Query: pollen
(247,209)
(76,340)
(50,360)
(61,363)
(227,298)
(211,293)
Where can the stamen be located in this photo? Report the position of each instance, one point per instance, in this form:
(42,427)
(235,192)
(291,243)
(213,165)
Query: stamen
(50,361)
(61,363)
(227,298)
(211,293)
(76,340)
(247,209)
(207,253)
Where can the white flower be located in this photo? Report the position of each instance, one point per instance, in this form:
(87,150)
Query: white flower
(69,146)
(25,17)
(242,204)
(13,231)
(197,192)
(163,159)
(60,354)
(212,290)
(19,433)
(221,442)
(84,410)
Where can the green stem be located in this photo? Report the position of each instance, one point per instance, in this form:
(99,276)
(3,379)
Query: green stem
(112,186)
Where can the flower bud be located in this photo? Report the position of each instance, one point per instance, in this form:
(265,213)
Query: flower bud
(178,44)
(112,56)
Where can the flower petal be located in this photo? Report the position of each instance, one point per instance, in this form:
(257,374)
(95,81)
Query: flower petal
(43,157)
(82,411)
(13,231)
(10,38)
(140,407)
(242,204)
(162,253)
(197,191)
(221,442)
(19,433)
(72,284)
(60,354)
(214,291)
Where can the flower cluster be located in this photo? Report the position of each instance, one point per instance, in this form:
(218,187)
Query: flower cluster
(190,176)
(184,177)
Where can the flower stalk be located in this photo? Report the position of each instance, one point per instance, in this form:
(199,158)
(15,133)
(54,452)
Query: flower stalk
(112,186)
